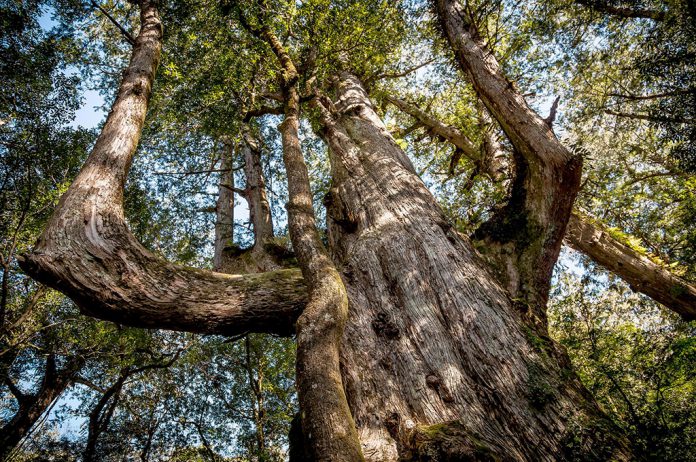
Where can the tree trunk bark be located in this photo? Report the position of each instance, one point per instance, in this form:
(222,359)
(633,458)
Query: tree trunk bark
(586,236)
(639,271)
(437,362)
(327,423)
(259,208)
(224,208)
(523,238)
(88,253)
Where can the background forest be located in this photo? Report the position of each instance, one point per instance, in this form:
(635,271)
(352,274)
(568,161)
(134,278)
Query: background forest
(616,78)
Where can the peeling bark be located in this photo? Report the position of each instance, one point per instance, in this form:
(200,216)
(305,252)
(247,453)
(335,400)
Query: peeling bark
(523,238)
(436,360)
(641,273)
(88,253)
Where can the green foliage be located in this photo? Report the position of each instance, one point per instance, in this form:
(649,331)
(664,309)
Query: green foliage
(635,358)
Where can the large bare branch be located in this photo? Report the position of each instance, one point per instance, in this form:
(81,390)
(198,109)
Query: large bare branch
(88,253)
(640,272)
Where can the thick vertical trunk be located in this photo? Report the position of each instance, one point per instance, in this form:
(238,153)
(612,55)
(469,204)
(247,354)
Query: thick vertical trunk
(436,361)
(265,255)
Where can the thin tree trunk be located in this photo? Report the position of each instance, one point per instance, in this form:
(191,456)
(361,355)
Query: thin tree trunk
(224,208)
(255,384)
(436,360)
(259,208)
(97,423)
(327,424)
(326,418)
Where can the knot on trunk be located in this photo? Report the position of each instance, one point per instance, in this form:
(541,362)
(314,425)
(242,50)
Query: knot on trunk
(385,327)
(434,382)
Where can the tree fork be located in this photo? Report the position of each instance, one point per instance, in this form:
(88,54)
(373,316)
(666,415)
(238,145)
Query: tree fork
(523,238)
(589,237)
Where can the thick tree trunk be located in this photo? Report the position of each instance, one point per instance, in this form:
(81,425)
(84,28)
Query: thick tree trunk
(33,406)
(585,235)
(639,271)
(523,238)
(436,360)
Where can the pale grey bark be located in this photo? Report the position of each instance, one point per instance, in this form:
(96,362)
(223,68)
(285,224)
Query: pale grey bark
(437,361)
(588,237)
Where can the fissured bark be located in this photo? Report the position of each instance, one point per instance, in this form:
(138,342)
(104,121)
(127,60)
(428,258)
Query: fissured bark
(437,362)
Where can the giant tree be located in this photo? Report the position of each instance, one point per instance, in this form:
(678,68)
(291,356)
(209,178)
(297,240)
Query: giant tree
(412,344)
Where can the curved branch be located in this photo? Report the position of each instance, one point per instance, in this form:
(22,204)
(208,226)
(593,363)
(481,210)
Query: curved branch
(88,253)
(641,273)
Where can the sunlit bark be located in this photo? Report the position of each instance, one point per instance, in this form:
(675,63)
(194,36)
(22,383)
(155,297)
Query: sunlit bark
(588,237)
(523,238)
(437,361)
